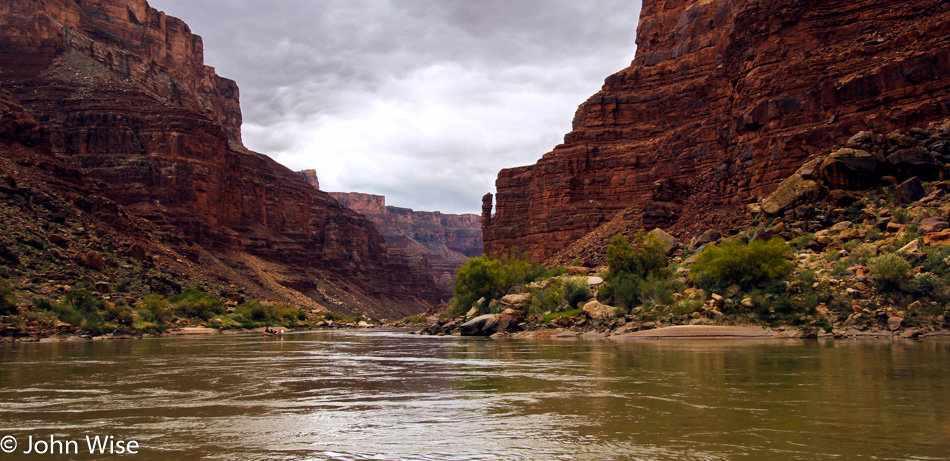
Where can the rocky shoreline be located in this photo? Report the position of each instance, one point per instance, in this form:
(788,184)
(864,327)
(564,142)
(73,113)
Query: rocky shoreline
(864,230)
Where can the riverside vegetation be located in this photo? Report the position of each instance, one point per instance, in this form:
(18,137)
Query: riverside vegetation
(856,243)
(82,313)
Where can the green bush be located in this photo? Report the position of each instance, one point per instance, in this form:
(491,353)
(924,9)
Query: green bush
(633,267)
(801,241)
(490,278)
(193,303)
(623,291)
(889,271)
(154,308)
(658,291)
(61,311)
(748,265)
(575,290)
(7,305)
(647,258)
(547,299)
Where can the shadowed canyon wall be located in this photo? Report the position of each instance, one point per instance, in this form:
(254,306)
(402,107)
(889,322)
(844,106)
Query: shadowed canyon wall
(127,102)
(724,99)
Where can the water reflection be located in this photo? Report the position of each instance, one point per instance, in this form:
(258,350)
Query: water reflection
(380,395)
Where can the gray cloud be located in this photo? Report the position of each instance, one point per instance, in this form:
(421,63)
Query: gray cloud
(422,101)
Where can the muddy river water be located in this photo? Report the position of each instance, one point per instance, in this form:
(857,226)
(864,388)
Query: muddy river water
(378,395)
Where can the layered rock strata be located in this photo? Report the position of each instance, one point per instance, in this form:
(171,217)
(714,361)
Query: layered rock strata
(130,109)
(446,240)
(724,99)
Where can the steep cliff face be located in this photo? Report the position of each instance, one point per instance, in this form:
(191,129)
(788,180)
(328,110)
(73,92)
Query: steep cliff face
(446,240)
(724,99)
(310,177)
(128,103)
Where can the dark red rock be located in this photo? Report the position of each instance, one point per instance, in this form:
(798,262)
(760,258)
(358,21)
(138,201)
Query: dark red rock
(93,260)
(726,99)
(111,101)
(909,191)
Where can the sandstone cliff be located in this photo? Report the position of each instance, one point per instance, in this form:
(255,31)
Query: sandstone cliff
(724,99)
(130,109)
(446,240)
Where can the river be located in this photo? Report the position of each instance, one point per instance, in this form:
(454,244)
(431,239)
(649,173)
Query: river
(378,395)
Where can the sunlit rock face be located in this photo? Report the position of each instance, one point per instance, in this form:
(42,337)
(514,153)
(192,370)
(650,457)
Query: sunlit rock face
(127,100)
(724,99)
(446,240)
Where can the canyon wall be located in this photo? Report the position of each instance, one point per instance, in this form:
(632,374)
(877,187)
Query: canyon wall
(446,240)
(127,102)
(724,99)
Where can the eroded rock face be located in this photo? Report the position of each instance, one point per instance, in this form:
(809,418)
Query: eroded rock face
(121,91)
(446,240)
(724,100)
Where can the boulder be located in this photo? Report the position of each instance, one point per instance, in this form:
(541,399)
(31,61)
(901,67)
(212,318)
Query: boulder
(915,246)
(93,260)
(849,234)
(516,300)
(707,237)
(594,281)
(930,225)
(762,234)
(916,161)
(938,238)
(124,332)
(850,169)
(598,311)
(508,321)
(793,191)
(863,139)
(668,240)
(909,191)
(137,252)
(894,323)
(475,326)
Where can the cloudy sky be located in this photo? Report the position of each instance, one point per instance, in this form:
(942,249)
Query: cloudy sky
(422,101)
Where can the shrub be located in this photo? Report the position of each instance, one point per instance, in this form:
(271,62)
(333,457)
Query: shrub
(547,299)
(623,291)
(193,303)
(801,241)
(888,271)
(647,258)
(480,277)
(7,305)
(658,291)
(575,290)
(490,278)
(901,215)
(748,265)
(154,308)
(548,318)
(60,311)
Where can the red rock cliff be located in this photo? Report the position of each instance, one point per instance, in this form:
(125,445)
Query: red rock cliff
(446,240)
(127,101)
(724,99)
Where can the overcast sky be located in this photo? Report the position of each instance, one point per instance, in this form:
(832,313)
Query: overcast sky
(422,101)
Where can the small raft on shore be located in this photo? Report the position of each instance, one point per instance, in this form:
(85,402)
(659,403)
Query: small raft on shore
(273,333)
